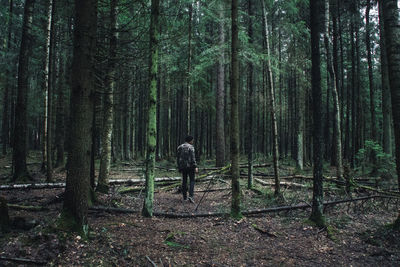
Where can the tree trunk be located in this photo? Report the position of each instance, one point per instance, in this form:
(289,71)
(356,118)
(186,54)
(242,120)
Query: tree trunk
(271,97)
(373,125)
(386,106)
(76,200)
(220,101)
(250,104)
(5,119)
(20,170)
(147,210)
(392,41)
(235,204)
(108,102)
(188,82)
(336,107)
(318,199)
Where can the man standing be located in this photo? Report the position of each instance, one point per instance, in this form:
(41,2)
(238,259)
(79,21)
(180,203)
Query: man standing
(186,160)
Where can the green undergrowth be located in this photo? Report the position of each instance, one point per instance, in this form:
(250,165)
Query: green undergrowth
(171,240)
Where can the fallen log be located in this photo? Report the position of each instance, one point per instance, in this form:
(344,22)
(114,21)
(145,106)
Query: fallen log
(281,183)
(246,212)
(32,186)
(23,261)
(28,208)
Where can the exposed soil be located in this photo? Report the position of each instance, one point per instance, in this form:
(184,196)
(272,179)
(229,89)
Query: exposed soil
(358,234)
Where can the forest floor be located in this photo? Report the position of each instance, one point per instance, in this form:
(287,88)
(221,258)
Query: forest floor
(359,233)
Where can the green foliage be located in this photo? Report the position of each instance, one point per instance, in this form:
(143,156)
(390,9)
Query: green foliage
(384,164)
(171,241)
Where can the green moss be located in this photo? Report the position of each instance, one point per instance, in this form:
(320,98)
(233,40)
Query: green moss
(67,223)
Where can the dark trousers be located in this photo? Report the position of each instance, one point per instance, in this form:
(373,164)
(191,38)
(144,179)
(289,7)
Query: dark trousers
(185,174)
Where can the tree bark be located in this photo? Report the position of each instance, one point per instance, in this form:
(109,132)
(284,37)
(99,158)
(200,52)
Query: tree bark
(250,103)
(108,102)
(5,119)
(336,107)
(271,97)
(235,204)
(147,210)
(317,203)
(386,106)
(392,41)
(220,101)
(20,170)
(76,201)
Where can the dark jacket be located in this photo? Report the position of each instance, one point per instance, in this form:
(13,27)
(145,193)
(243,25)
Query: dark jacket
(186,158)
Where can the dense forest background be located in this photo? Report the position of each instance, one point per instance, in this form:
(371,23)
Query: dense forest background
(85,80)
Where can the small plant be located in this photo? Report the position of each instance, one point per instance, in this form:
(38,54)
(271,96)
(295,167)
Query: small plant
(372,159)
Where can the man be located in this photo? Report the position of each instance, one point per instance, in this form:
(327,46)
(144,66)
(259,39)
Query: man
(186,160)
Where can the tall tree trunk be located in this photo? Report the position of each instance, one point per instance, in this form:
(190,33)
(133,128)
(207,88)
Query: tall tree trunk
(220,101)
(189,66)
(271,97)
(5,137)
(386,106)
(235,172)
(250,103)
(147,210)
(50,86)
(373,125)
(46,80)
(392,41)
(108,102)
(76,200)
(60,118)
(315,21)
(20,170)
(336,107)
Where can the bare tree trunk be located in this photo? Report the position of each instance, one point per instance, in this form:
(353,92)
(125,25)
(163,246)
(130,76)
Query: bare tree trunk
(20,170)
(336,107)
(392,41)
(235,172)
(250,104)
(271,98)
(189,66)
(220,101)
(107,131)
(76,200)
(386,106)
(5,119)
(318,197)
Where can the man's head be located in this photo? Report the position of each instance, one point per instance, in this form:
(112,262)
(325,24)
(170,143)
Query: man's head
(189,139)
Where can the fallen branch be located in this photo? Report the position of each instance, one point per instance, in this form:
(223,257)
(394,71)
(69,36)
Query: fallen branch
(281,183)
(152,262)
(23,261)
(32,186)
(246,212)
(263,231)
(28,208)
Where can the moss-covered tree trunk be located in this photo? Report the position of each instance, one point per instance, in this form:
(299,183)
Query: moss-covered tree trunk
(271,98)
(392,40)
(76,201)
(20,170)
(152,114)
(235,172)
(108,102)
(220,97)
(315,21)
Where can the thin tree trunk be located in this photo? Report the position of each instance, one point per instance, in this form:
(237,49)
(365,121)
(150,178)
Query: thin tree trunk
(76,200)
(250,103)
(147,210)
(189,63)
(318,198)
(271,97)
(386,106)
(5,120)
(108,102)
(392,41)
(20,170)
(373,125)
(336,107)
(220,101)
(235,205)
